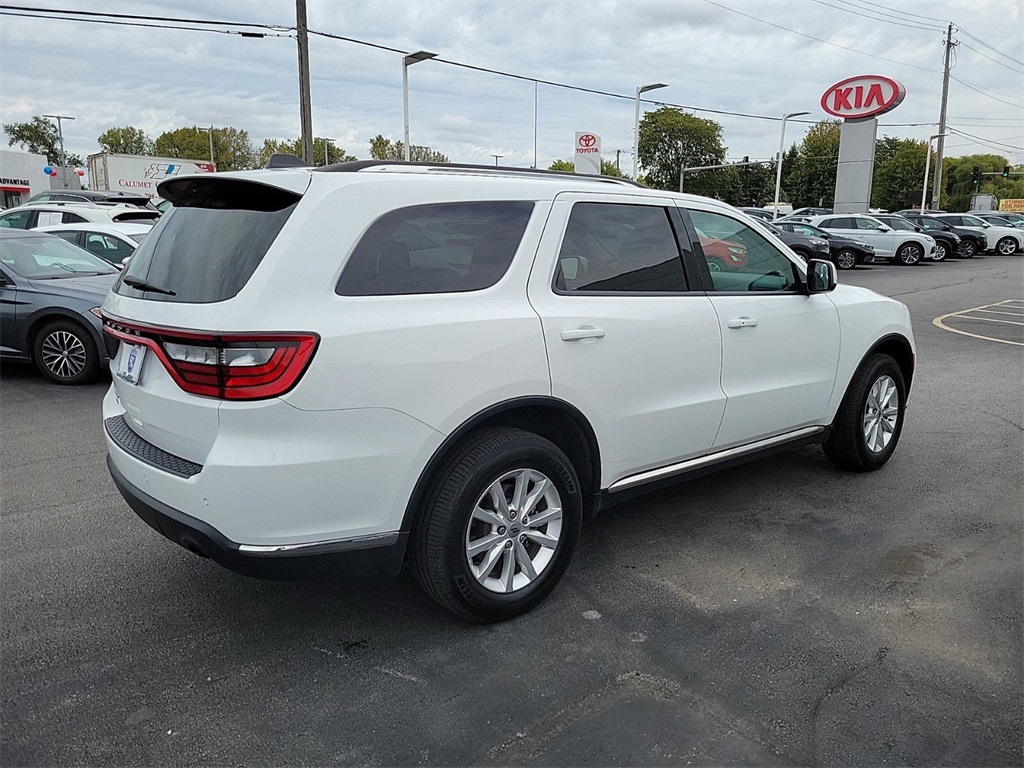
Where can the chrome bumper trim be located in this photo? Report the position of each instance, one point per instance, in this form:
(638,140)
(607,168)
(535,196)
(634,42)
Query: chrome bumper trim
(321,547)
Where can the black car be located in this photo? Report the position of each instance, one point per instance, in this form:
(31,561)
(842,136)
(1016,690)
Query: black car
(805,246)
(971,242)
(947,244)
(50,294)
(844,251)
(758,213)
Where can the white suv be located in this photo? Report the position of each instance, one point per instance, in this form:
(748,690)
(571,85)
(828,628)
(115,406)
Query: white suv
(1003,240)
(33,215)
(453,366)
(905,247)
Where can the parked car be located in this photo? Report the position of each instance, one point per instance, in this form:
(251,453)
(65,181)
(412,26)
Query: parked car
(1003,240)
(50,294)
(90,196)
(758,213)
(905,248)
(971,242)
(947,244)
(845,252)
(48,214)
(811,212)
(807,247)
(114,243)
(1001,218)
(457,365)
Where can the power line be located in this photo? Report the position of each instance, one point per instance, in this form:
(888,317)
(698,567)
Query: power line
(985,93)
(989,142)
(995,61)
(149,26)
(812,37)
(996,50)
(868,13)
(136,17)
(908,13)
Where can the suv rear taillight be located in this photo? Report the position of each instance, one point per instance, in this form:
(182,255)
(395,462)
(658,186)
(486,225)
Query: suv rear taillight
(228,366)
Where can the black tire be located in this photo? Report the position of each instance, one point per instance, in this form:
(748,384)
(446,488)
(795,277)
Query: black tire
(65,353)
(805,256)
(941,251)
(967,249)
(441,534)
(908,254)
(847,445)
(846,259)
(1006,246)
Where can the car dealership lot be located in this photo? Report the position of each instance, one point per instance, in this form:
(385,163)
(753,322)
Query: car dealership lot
(775,613)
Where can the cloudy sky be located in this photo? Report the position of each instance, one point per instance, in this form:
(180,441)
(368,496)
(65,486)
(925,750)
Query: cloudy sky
(755,59)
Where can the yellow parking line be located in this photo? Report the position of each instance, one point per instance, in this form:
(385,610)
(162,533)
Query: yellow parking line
(963,312)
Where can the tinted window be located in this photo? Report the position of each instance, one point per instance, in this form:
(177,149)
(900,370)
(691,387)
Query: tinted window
(972,221)
(208,246)
(16,219)
(901,224)
(839,223)
(445,248)
(621,248)
(867,224)
(739,258)
(72,218)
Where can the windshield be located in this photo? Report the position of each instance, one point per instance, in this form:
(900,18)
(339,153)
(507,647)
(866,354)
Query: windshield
(46,256)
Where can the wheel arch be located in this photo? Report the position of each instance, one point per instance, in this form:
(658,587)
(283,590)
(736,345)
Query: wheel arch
(48,315)
(899,349)
(553,419)
(914,243)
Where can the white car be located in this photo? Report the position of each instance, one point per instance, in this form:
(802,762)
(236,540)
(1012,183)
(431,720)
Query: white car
(114,243)
(457,365)
(1004,240)
(906,247)
(34,215)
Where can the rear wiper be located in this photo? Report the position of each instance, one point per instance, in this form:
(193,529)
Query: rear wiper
(142,285)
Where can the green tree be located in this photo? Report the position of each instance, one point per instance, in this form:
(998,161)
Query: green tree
(671,139)
(607,168)
(899,173)
(960,184)
(232,149)
(40,137)
(128,140)
(812,180)
(322,151)
(385,149)
(752,185)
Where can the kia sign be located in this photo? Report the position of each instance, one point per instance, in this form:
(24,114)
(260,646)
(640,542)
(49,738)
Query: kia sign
(588,153)
(862,96)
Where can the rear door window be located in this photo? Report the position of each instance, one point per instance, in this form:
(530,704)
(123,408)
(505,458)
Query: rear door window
(442,248)
(207,247)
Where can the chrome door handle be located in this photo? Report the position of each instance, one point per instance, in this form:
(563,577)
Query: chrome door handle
(584,332)
(743,322)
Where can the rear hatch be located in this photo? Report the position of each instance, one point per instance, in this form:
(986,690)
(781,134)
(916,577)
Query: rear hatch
(173,367)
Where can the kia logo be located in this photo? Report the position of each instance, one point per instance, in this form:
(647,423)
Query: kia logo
(588,140)
(862,96)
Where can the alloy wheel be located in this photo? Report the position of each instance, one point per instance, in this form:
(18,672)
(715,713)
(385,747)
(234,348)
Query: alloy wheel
(881,411)
(64,354)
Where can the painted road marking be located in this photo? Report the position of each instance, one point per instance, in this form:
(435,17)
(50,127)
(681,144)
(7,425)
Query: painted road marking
(965,314)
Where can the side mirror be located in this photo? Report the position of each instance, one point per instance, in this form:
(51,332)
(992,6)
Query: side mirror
(822,276)
(885,228)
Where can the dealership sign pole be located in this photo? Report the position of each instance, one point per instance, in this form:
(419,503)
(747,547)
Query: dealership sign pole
(857,101)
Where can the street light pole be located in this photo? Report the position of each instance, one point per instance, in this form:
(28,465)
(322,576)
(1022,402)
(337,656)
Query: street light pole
(636,121)
(407,61)
(778,161)
(327,146)
(927,162)
(63,154)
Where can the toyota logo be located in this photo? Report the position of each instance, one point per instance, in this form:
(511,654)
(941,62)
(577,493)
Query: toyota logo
(588,140)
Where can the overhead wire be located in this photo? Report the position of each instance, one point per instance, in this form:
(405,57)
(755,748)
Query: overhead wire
(990,142)
(985,93)
(995,50)
(994,61)
(907,13)
(868,13)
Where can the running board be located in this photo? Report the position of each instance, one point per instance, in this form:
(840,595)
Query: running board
(689,465)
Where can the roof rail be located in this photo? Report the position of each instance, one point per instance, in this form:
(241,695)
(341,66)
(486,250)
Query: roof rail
(493,170)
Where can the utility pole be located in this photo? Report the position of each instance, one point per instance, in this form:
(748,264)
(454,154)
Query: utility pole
(305,106)
(937,180)
(63,154)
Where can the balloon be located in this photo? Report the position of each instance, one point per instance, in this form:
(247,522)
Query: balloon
(53,171)
(48,170)
(80,172)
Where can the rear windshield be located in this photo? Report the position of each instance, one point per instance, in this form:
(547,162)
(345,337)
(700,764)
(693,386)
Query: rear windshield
(206,248)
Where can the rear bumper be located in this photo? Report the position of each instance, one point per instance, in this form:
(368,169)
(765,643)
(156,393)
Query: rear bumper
(379,554)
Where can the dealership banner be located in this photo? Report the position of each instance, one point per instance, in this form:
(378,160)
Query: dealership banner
(588,153)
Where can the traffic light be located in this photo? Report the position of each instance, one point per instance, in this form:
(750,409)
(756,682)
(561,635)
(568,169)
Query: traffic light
(976,174)
(1006,171)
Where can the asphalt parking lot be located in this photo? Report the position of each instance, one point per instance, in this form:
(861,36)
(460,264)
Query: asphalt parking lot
(777,613)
